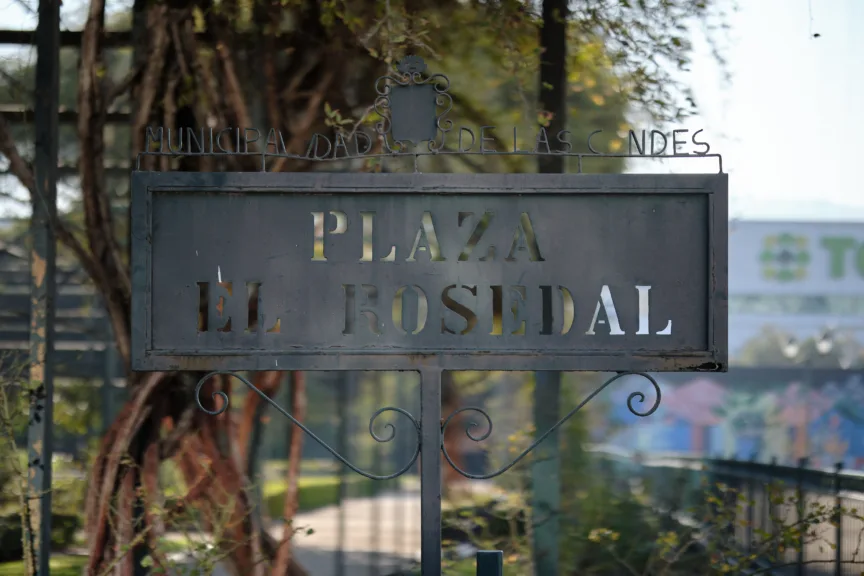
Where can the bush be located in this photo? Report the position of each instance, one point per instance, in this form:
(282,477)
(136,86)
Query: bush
(59,566)
(494,523)
(63,529)
(316,492)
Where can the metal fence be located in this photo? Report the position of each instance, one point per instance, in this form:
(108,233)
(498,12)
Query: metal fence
(677,484)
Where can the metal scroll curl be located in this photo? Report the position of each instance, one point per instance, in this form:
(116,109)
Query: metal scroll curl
(387,437)
(634,396)
(409,72)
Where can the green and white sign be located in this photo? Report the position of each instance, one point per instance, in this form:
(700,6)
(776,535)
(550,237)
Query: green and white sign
(796,258)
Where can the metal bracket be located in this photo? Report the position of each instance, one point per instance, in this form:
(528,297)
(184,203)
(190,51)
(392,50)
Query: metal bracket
(389,437)
(639,396)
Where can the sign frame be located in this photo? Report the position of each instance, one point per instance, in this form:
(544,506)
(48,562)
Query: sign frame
(715,186)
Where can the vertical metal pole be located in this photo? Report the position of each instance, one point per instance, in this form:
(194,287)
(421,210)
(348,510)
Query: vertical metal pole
(430,472)
(374,533)
(399,505)
(838,529)
(490,563)
(546,469)
(799,493)
(546,476)
(42,286)
(750,504)
(343,381)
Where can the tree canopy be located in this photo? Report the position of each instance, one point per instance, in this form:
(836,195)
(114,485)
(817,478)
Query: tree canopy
(300,66)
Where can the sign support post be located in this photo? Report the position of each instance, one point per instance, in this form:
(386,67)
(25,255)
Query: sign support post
(430,470)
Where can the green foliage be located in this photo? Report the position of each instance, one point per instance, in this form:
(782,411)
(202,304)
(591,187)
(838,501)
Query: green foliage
(63,528)
(315,492)
(60,565)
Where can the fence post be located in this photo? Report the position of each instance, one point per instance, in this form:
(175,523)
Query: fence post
(750,504)
(799,494)
(490,563)
(40,430)
(838,529)
(772,514)
(344,380)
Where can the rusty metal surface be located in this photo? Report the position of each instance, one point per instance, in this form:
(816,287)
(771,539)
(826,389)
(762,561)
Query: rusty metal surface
(581,232)
(40,432)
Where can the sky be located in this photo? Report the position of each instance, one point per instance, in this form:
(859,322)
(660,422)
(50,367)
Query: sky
(787,123)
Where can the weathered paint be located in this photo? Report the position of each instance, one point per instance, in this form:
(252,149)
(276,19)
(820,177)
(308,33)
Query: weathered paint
(582,232)
(42,288)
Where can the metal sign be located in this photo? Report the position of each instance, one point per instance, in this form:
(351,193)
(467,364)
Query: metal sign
(285,271)
(426,272)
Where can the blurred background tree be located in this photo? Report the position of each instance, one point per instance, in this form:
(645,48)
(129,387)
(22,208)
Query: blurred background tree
(280,64)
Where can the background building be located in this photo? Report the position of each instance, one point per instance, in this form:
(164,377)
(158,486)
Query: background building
(798,277)
(795,388)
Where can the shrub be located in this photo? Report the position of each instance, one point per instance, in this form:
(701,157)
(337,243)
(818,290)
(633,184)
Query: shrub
(63,529)
(316,492)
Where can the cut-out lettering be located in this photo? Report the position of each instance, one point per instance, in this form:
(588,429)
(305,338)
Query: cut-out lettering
(645,314)
(368,309)
(210,316)
(497,311)
(476,235)
(254,314)
(568,308)
(546,313)
(218,313)
(398,312)
(252,296)
(368,219)
(460,309)
(518,308)
(609,309)
(203,299)
(524,239)
(320,228)
(426,233)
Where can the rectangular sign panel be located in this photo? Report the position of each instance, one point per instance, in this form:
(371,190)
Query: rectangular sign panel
(282,271)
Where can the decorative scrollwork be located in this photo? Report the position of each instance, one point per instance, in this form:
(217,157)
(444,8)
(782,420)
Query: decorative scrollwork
(409,72)
(391,434)
(637,396)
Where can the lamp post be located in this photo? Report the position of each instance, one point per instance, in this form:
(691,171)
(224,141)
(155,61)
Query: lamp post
(792,350)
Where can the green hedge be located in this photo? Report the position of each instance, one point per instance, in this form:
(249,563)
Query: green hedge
(63,528)
(316,492)
(59,566)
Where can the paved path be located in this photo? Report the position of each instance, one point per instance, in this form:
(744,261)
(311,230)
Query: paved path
(381,535)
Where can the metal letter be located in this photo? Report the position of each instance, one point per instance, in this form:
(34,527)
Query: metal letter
(427,232)
(484,139)
(460,309)
(644,314)
(676,142)
(422,309)
(517,310)
(611,315)
(569,310)
(525,239)
(318,231)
